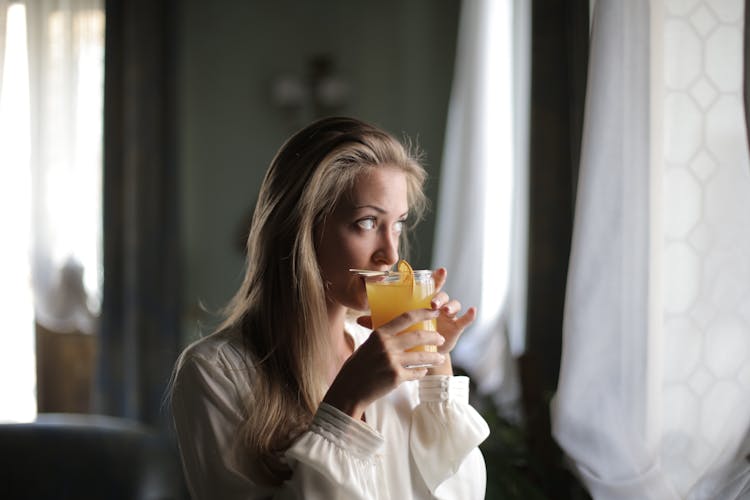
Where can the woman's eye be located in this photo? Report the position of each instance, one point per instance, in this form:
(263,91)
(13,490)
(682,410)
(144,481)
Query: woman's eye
(366,224)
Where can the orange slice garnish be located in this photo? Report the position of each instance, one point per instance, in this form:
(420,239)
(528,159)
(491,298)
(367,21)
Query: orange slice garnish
(406,273)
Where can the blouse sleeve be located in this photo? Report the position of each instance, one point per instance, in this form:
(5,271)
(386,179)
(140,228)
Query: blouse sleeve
(342,452)
(445,434)
(337,458)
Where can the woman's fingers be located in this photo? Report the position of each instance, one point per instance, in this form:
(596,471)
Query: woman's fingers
(439,275)
(448,307)
(407,319)
(418,359)
(451,326)
(467,319)
(415,373)
(439,300)
(410,340)
(365,321)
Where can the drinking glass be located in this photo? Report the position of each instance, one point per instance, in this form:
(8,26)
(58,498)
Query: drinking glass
(390,294)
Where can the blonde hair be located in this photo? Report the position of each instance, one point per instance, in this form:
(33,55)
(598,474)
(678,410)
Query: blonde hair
(280,307)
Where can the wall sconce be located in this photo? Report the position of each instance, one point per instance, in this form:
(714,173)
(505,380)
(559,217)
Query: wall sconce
(320,92)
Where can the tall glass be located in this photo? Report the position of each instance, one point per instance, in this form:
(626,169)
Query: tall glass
(390,295)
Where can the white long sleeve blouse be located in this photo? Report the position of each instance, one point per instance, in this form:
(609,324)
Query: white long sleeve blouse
(419,442)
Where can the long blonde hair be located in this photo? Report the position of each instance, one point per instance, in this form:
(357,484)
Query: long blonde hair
(280,307)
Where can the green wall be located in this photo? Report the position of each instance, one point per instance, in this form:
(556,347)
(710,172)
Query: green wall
(396,56)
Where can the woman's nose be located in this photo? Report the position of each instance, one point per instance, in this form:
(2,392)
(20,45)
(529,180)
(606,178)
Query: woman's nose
(387,252)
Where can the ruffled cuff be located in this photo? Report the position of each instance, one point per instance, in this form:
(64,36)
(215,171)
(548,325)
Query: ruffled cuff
(444,428)
(343,450)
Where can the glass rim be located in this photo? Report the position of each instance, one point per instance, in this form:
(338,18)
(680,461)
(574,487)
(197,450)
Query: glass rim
(366,273)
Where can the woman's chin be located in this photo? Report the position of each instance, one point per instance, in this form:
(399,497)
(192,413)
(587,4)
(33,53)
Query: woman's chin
(354,301)
(360,306)
(358,297)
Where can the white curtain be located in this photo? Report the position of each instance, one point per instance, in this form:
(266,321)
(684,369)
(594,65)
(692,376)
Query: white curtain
(66,70)
(4,4)
(17,374)
(653,399)
(51,96)
(481,214)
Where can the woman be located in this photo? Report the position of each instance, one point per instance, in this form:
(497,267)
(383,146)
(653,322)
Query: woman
(291,397)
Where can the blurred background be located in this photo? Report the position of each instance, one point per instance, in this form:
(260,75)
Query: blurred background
(249,74)
(136,135)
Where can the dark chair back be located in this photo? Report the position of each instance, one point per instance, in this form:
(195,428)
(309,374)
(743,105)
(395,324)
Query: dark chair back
(64,456)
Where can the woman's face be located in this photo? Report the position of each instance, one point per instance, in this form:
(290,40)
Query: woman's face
(362,233)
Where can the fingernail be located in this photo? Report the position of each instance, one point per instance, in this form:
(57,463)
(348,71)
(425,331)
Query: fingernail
(441,340)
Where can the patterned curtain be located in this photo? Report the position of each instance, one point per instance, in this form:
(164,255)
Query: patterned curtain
(653,401)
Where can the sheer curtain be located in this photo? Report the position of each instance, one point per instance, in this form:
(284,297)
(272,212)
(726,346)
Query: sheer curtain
(17,374)
(480,227)
(66,77)
(4,4)
(652,400)
(51,90)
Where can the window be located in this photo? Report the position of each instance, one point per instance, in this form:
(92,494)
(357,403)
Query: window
(17,374)
(51,97)
(481,215)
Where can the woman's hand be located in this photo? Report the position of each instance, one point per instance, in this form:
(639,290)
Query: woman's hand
(382,363)
(449,323)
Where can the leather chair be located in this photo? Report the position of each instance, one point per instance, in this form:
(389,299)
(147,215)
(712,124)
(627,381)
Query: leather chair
(68,456)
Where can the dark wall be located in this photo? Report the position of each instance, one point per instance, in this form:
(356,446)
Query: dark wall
(395,56)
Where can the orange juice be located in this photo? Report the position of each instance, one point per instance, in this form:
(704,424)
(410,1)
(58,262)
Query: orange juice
(392,295)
